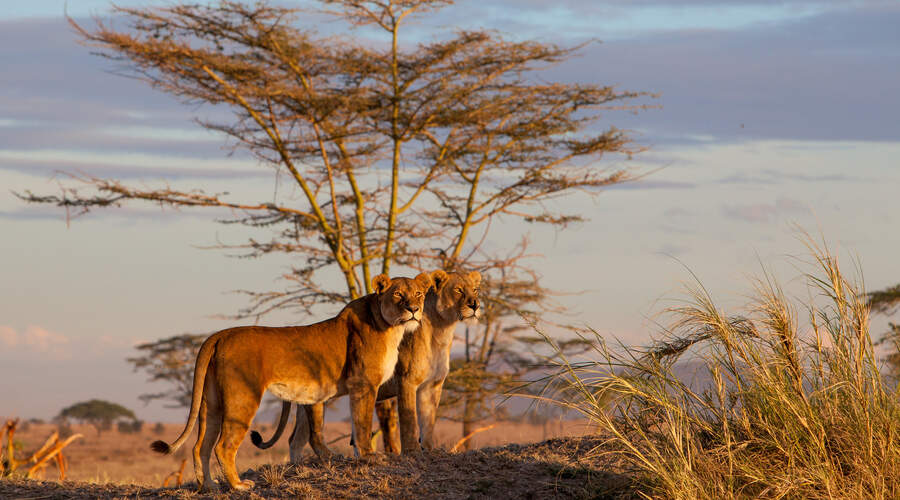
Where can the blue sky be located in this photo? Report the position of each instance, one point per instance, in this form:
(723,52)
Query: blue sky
(772,114)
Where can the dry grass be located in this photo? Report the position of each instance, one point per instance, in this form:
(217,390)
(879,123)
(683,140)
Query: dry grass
(789,413)
(116,458)
(558,468)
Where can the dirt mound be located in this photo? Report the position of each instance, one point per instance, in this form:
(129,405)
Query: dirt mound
(558,468)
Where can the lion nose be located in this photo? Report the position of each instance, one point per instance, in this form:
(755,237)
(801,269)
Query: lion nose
(474,305)
(412,309)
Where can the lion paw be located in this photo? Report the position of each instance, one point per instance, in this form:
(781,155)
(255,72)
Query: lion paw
(372,459)
(323,452)
(208,487)
(246,484)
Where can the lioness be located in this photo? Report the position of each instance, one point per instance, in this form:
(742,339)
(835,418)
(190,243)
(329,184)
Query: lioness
(354,352)
(422,366)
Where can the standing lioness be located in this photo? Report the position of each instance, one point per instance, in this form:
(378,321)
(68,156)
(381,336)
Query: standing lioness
(352,353)
(423,364)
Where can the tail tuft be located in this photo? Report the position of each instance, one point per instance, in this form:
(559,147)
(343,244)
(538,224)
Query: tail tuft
(160,447)
(256,439)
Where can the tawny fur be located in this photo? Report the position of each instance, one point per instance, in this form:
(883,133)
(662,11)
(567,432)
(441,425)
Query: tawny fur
(423,364)
(351,354)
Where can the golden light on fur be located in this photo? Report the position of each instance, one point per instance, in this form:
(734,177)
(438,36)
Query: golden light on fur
(352,353)
(422,365)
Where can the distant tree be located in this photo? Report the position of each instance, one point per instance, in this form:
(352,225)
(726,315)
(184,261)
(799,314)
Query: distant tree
(130,427)
(887,302)
(101,414)
(171,361)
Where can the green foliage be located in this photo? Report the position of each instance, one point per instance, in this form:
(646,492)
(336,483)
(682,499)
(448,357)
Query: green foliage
(786,413)
(97,412)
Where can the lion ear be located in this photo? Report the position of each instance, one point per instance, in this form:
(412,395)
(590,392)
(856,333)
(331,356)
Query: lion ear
(475,276)
(381,283)
(440,279)
(425,280)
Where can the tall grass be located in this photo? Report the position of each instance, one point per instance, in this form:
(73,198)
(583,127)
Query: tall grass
(789,412)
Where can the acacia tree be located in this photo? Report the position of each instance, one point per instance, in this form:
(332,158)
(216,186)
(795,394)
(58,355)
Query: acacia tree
(405,154)
(169,360)
(97,412)
(886,302)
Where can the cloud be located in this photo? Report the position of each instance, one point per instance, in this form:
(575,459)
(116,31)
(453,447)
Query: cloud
(678,212)
(126,213)
(8,336)
(42,135)
(822,77)
(35,340)
(122,170)
(43,340)
(672,250)
(763,212)
(768,177)
(817,72)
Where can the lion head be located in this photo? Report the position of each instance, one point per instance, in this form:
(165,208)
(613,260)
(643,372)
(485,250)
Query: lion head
(456,295)
(401,300)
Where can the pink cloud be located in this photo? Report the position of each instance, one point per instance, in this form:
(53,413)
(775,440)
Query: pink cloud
(43,340)
(8,336)
(35,339)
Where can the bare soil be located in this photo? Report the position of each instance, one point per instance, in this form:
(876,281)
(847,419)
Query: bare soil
(538,465)
(556,468)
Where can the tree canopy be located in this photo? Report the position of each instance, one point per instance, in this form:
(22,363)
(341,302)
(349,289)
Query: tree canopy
(169,360)
(101,414)
(402,153)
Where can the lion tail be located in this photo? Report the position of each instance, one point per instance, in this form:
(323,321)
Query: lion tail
(203,357)
(256,438)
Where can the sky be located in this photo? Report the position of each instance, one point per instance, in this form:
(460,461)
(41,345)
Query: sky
(772,115)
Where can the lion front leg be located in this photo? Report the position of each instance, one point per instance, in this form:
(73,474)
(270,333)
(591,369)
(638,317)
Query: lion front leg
(409,429)
(362,404)
(429,398)
(386,410)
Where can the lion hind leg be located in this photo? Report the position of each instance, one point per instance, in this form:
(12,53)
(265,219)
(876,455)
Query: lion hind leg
(210,427)
(315,421)
(300,435)
(240,406)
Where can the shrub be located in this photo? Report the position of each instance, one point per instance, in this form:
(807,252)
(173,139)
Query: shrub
(64,429)
(130,426)
(159,428)
(789,413)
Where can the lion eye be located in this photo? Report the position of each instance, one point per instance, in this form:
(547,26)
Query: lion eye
(398,294)
(418,294)
(459,291)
